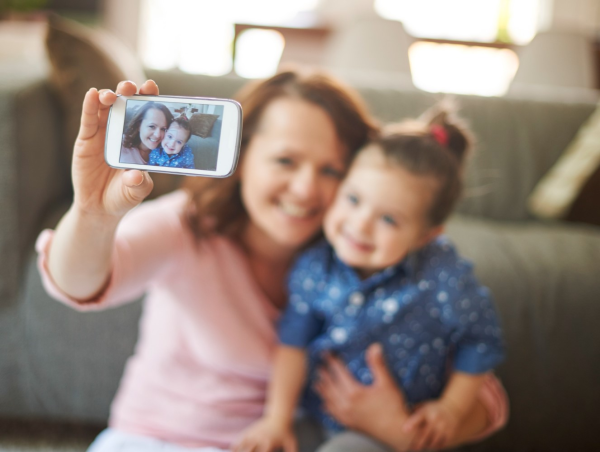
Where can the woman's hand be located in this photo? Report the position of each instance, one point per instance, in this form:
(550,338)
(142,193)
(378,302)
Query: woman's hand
(379,410)
(100,189)
(267,435)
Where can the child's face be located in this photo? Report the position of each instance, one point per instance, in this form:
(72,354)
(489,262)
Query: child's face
(175,139)
(379,214)
(152,128)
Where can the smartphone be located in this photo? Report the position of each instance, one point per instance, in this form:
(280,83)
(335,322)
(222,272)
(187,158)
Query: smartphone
(192,136)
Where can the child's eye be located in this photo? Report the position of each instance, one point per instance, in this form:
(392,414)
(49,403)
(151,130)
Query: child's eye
(389,220)
(179,142)
(286,161)
(352,199)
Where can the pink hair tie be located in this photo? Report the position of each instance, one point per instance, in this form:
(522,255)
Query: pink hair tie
(440,134)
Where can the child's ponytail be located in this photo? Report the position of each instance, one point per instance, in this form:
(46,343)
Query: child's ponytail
(449,130)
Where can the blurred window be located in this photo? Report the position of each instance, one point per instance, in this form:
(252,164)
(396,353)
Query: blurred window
(512,21)
(449,57)
(197,35)
(462,69)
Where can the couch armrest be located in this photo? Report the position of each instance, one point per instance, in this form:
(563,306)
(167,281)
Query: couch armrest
(34,175)
(544,278)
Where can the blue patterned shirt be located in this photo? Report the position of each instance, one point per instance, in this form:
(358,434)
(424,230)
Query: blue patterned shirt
(429,313)
(183,159)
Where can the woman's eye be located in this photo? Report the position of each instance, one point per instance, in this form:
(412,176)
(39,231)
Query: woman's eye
(352,199)
(333,172)
(389,220)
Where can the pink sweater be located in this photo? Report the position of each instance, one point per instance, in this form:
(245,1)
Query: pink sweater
(199,372)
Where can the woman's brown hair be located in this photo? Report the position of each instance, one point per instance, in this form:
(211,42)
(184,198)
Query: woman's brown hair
(436,145)
(131,137)
(219,200)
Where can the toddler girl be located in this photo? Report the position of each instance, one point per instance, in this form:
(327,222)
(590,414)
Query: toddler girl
(387,276)
(174,151)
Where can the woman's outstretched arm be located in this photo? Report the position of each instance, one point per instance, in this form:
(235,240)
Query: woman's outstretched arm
(80,255)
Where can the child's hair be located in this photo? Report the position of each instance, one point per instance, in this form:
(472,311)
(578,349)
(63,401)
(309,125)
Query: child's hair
(184,124)
(436,145)
(132,134)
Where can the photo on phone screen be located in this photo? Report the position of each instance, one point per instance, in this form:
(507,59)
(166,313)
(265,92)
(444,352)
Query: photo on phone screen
(177,135)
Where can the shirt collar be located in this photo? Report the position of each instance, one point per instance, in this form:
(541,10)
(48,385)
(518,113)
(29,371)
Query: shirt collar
(406,267)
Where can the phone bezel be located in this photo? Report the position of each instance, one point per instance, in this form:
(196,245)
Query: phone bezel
(229,143)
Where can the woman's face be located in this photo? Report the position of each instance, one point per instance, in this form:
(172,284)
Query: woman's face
(290,172)
(152,129)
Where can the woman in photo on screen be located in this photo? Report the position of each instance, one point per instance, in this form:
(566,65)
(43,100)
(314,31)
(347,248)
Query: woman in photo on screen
(145,132)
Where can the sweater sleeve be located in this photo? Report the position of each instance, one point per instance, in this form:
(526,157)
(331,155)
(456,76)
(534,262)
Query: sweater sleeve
(148,240)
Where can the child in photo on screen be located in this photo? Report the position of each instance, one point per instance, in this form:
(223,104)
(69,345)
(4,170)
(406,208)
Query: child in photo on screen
(174,151)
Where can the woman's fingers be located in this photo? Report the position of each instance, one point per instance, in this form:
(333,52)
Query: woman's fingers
(377,365)
(138,184)
(340,373)
(149,88)
(126,88)
(89,115)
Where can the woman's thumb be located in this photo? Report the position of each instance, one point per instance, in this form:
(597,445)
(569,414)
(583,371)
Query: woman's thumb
(139,184)
(376,362)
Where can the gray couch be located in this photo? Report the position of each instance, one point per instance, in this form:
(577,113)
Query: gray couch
(59,369)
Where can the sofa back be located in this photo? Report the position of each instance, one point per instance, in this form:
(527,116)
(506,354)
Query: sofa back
(518,140)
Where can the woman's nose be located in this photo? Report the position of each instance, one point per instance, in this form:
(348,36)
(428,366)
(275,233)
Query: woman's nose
(304,183)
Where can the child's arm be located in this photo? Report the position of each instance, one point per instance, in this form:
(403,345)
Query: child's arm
(461,392)
(274,429)
(436,422)
(80,254)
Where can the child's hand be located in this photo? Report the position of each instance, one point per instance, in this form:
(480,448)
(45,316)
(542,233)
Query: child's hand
(267,435)
(100,189)
(433,424)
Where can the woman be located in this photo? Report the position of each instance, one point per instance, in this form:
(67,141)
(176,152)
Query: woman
(145,132)
(213,260)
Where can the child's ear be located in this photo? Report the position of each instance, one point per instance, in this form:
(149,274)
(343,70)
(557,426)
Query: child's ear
(431,234)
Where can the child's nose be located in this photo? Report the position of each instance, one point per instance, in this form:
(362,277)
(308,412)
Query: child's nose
(362,223)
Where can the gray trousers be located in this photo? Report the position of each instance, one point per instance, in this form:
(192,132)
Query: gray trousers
(312,438)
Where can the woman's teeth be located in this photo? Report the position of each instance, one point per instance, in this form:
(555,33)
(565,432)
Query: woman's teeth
(294,210)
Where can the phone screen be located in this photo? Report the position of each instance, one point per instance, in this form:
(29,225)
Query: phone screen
(171,134)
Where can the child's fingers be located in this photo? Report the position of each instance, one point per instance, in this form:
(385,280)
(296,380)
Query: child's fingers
(438,441)
(89,115)
(414,421)
(149,88)
(290,445)
(423,438)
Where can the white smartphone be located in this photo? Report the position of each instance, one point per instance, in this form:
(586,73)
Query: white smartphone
(193,136)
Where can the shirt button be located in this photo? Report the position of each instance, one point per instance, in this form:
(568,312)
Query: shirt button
(357,299)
